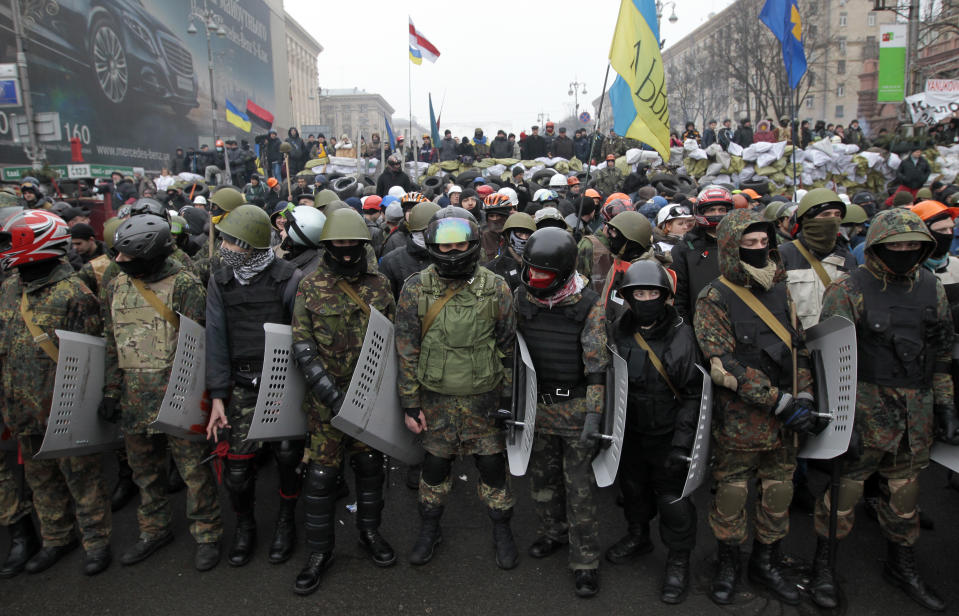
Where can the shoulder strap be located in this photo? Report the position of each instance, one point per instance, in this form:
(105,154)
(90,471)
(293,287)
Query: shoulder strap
(347,288)
(39,337)
(436,307)
(814,262)
(168,315)
(660,368)
(761,311)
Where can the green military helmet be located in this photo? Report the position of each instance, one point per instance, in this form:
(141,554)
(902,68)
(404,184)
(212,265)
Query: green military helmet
(776,210)
(855,215)
(345,224)
(324,198)
(816,199)
(249,224)
(228,199)
(420,215)
(519,220)
(634,226)
(923,193)
(110,231)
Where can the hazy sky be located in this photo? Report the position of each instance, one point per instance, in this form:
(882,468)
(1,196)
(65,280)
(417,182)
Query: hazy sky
(502,62)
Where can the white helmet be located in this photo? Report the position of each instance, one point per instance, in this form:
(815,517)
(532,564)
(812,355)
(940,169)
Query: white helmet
(304,225)
(549,217)
(511,194)
(672,211)
(557,180)
(199,200)
(396,191)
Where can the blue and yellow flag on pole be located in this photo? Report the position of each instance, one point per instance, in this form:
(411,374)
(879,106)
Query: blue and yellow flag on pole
(638,96)
(783,19)
(236,117)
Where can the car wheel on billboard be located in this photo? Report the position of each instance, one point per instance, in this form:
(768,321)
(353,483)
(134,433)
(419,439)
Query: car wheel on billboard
(109,61)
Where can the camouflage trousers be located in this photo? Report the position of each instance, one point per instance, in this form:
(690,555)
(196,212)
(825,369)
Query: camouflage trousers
(239,412)
(732,473)
(147,457)
(13,505)
(563,488)
(64,488)
(898,517)
(328,446)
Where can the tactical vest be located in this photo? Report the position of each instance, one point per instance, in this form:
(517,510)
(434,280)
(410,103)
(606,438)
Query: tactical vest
(248,307)
(651,406)
(553,338)
(458,355)
(602,261)
(145,340)
(757,346)
(99,266)
(897,331)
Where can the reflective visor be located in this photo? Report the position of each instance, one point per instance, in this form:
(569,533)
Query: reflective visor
(452,231)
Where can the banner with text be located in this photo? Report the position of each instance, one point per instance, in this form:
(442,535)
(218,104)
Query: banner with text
(892,63)
(933,107)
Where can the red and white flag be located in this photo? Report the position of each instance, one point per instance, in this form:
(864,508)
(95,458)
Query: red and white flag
(420,47)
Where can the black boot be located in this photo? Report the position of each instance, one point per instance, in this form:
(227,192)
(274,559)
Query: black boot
(144,548)
(284,534)
(97,561)
(723,588)
(46,557)
(309,577)
(506,554)
(901,570)
(241,484)
(633,544)
(823,587)
(430,535)
(24,543)
(244,539)
(587,582)
(368,468)
(676,579)
(764,569)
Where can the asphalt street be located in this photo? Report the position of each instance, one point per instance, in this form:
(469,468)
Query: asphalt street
(463,578)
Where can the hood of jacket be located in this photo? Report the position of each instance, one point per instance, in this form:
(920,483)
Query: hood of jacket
(728,235)
(896,225)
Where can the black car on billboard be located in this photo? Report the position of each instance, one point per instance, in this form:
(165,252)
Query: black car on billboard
(126,51)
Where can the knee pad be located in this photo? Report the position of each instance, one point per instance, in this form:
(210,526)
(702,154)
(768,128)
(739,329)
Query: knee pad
(367,463)
(679,514)
(239,475)
(850,492)
(731,498)
(492,470)
(288,453)
(776,496)
(904,496)
(435,469)
(321,480)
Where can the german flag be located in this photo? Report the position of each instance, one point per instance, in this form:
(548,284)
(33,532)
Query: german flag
(258,115)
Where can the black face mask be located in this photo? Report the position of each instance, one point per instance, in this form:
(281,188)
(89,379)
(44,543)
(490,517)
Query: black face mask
(616,243)
(647,312)
(943,244)
(335,257)
(138,268)
(36,271)
(757,257)
(715,219)
(632,251)
(899,261)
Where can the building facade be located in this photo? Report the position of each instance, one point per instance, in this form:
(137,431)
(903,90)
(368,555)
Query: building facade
(353,112)
(302,51)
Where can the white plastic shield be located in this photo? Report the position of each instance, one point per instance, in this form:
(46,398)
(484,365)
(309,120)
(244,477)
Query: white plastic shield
(835,340)
(699,456)
(371,411)
(279,403)
(947,455)
(185,409)
(73,427)
(606,463)
(519,433)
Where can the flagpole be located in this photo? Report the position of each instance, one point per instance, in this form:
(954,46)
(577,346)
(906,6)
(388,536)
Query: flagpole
(409,90)
(793,95)
(589,154)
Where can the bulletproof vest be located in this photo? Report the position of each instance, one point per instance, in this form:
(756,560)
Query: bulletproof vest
(458,355)
(248,307)
(651,406)
(757,346)
(602,261)
(898,330)
(145,340)
(553,338)
(99,266)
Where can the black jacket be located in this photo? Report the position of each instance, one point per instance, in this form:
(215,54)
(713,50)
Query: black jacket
(709,137)
(581,148)
(726,136)
(390,178)
(744,136)
(507,266)
(500,147)
(563,147)
(403,262)
(535,147)
(696,263)
(913,174)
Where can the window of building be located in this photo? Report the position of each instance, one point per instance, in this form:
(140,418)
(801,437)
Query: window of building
(871,19)
(842,45)
(841,67)
(811,76)
(839,111)
(810,101)
(843,19)
(841,90)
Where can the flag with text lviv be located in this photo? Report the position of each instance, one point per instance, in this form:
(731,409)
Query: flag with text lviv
(638,96)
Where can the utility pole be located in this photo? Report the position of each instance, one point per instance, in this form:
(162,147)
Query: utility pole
(34,151)
(912,50)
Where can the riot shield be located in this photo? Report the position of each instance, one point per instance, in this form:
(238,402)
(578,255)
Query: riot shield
(520,427)
(279,403)
(606,463)
(947,455)
(185,409)
(371,410)
(699,456)
(834,341)
(73,427)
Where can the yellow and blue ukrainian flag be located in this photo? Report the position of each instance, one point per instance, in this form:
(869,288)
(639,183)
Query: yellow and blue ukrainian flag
(236,117)
(783,19)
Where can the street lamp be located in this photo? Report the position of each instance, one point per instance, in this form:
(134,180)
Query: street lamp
(212,24)
(673,18)
(574,92)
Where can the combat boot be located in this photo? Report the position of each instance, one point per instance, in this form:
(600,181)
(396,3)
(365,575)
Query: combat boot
(46,557)
(823,587)
(630,546)
(369,510)
(430,534)
(901,570)
(723,587)
(23,545)
(309,578)
(676,578)
(764,569)
(244,539)
(284,534)
(506,555)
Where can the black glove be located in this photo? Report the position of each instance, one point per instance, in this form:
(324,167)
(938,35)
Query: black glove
(947,424)
(109,410)
(591,427)
(798,416)
(677,459)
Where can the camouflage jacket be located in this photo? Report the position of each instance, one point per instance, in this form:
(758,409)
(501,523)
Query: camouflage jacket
(885,414)
(327,317)
(58,301)
(593,259)
(140,390)
(92,272)
(743,419)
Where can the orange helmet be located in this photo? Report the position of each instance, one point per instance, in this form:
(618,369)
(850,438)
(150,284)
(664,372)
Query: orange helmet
(618,195)
(927,210)
(610,157)
(572,181)
(412,198)
(219,143)
(592,193)
(740,202)
(749,192)
(497,202)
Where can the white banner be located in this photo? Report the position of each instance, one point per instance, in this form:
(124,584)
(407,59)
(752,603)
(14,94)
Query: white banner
(933,107)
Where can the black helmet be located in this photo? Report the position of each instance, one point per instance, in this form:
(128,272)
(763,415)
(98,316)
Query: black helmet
(552,250)
(62,209)
(144,237)
(646,274)
(452,225)
(147,205)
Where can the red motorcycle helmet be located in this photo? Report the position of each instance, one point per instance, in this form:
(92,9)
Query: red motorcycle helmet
(33,236)
(707,198)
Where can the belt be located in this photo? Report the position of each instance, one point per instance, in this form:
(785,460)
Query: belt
(555,395)
(249,367)
(247,379)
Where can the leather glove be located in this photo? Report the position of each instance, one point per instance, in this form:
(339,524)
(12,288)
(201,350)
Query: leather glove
(109,410)
(677,459)
(591,427)
(798,415)
(947,424)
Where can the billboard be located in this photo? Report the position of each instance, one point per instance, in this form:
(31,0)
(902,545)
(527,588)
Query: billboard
(892,63)
(128,80)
